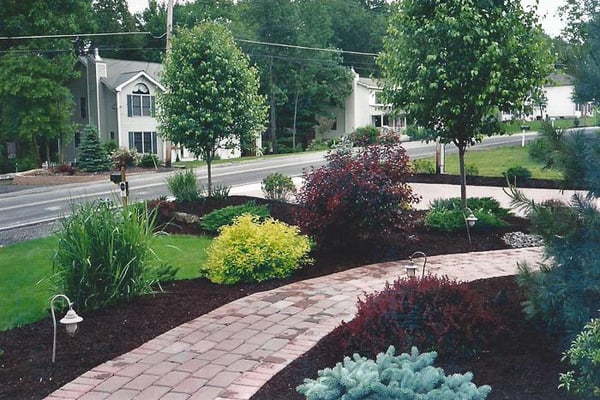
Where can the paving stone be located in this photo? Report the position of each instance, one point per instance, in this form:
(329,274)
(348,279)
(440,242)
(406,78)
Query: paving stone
(209,371)
(189,385)
(224,379)
(123,394)
(172,379)
(142,382)
(153,393)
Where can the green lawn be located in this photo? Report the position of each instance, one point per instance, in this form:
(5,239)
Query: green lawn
(25,290)
(493,162)
(515,126)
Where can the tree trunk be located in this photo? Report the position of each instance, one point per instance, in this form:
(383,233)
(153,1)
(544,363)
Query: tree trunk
(209,175)
(273,105)
(462,148)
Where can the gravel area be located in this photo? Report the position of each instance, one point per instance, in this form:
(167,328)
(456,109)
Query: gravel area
(23,233)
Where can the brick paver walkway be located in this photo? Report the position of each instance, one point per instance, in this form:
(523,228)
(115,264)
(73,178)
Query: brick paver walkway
(232,351)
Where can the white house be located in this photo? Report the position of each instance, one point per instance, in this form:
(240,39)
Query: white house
(559,94)
(119,98)
(363,107)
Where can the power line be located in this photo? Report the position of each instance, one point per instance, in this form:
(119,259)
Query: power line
(78,35)
(305,47)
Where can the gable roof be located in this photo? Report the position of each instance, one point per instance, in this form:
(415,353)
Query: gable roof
(557,79)
(119,72)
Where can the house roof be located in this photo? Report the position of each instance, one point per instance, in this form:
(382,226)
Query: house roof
(557,79)
(368,83)
(122,71)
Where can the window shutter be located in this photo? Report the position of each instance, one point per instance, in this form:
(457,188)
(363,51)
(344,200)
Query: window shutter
(131,141)
(154,147)
(129,112)
(152,106)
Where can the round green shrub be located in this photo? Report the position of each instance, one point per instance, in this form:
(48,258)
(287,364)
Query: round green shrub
(277,186)
(149,161)
(517,175)
(391,377)
(251,251)
(184,186)
(213,221)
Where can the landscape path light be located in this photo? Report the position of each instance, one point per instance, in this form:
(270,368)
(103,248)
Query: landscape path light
(470,221)
(70,321)
(411,269)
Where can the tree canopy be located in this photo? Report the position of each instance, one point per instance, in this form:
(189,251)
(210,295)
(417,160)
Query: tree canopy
(212,98)
(452,65)
(583,35)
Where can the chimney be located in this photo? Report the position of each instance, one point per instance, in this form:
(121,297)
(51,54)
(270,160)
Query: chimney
(97,55)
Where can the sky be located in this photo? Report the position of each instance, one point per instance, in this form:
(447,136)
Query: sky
(547,11)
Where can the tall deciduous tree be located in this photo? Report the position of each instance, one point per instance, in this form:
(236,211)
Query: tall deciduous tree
(212,98)
(451,65)
(583,60)
(36,105)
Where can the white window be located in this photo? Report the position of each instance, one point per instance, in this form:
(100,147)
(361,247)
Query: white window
(140,103)
(143,142)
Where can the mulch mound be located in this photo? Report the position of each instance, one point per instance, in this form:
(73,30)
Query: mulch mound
(26,371)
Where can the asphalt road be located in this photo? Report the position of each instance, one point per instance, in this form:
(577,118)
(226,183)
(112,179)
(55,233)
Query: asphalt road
(43,204)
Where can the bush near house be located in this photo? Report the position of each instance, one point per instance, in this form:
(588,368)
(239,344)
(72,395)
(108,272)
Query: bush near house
(402,377)
(357,195)
(91,156)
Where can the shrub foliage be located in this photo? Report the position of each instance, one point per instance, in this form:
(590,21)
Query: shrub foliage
(447,215)
(213,221)
(183,186)
(430,313)
(104,255)
(279,187)
(357,195)
(251,251)
(584,355)
(403,377)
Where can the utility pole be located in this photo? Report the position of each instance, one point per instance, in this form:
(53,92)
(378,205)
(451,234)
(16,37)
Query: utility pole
(168,51)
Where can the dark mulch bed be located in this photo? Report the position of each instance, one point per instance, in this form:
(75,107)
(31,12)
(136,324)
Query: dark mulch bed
(524,368)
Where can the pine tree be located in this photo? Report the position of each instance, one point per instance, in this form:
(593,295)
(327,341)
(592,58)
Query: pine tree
(92,157)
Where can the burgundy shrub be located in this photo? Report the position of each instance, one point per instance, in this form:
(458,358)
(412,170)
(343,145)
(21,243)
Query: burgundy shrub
(434,314)
(362,195)
(65,169)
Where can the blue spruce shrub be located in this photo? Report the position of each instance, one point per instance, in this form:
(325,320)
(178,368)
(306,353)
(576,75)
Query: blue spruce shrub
(390,377)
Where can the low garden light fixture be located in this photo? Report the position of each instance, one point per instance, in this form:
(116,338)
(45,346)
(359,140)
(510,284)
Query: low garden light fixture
(70,321)
(470,221)
(471,218)
(411,269)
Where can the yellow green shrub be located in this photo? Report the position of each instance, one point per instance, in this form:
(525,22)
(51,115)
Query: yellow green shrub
(254,251)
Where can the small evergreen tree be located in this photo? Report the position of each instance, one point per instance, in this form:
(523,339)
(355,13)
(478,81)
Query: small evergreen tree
(403,377)
(565,293)
(92,157)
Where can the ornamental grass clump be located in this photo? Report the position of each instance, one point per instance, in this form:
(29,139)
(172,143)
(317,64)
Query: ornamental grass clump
(432,313)
(104,255)
(254,251)
(184,186)
(390,377)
